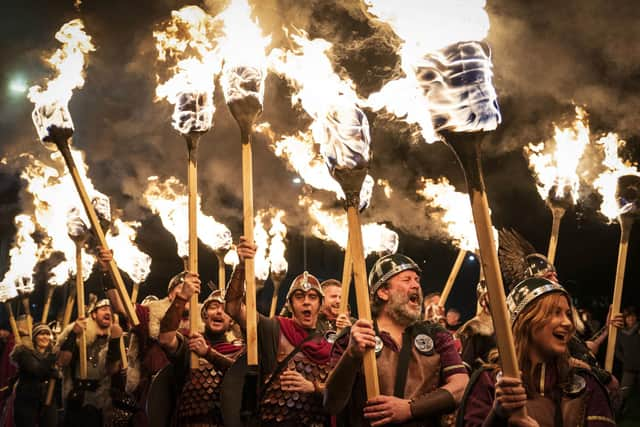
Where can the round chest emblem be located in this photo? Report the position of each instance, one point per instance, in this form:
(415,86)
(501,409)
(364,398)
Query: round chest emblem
(423,343)
(379,345)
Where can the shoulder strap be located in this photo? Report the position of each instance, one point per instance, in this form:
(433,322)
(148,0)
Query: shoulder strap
(280,367)
(403,363)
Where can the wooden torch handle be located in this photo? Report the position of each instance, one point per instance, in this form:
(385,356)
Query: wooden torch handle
(250,277)
(457,265)
(47,304)
(80,309)
(625,232)
(192,184)
(362,297)
(557,213)
(97,229)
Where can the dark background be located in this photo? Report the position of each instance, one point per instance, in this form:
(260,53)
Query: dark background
(548,56)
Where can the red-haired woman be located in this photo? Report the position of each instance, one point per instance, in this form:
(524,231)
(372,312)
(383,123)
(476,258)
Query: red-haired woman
(554,392)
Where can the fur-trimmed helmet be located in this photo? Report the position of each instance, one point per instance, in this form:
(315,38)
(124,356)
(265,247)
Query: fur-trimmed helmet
(213,296)
(529,290)
(387,267)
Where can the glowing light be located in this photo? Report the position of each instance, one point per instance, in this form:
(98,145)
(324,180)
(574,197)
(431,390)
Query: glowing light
(22,261)
(169,200)
(121,239)
(51,103)
(555,164)
(606,183)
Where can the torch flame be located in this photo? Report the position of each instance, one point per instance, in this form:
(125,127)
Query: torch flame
(277,232)
(556,167)
(607,181)
(129,258)
(169,200)
(377,238)
(231,258)
(22,261)
(454,212)
(261,239)
(188,40)
(424,27)
(51,104)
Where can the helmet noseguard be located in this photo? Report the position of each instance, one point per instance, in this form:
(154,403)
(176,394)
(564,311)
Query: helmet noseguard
(527,291)
(387,267)
(213,296)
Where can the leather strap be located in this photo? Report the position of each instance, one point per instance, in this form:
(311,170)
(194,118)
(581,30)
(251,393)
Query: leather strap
(403,363)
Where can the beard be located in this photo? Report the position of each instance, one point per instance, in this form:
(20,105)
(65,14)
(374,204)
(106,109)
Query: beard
(398,309)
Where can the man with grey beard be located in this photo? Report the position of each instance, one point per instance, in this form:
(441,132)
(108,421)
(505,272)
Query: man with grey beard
(403,343)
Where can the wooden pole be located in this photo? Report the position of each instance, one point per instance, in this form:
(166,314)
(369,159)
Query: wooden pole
(250,277)
(27,311)
(192,184)
(47,304)
(626,222)
(558,213)
(81,315)
(68,308)
(12,322)
(467,148)
(347,272)
(63,146)
(274,298)
(134,292)
(457,265)
(222,280)
(362,297)
(123,350)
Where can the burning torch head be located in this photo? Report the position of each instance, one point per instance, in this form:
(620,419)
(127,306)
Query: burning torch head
(193,113)
(366,192)
(76,228)
(345,144)
(560,198)
(457,83)
(102,206)
(53,123)
(628,195)
(244,91)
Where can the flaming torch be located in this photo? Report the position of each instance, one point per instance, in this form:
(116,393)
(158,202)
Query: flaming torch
(243,85)
(53,122)
(619,186)
(345,144)
(457,83)
(191,92)
(7,293)
(79,233)
(557,172)
(277,261)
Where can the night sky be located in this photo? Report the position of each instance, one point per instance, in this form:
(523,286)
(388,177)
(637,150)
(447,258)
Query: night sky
(548,56)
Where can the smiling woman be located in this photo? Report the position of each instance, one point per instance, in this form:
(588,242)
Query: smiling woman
(551,389)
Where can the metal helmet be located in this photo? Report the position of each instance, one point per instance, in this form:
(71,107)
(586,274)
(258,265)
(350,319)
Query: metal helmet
(527,291)
(213,296)
(305,282)
(387,267)
(538,265)
(99,304)
(176,280)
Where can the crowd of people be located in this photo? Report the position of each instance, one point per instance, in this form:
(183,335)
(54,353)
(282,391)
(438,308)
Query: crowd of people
(432,369)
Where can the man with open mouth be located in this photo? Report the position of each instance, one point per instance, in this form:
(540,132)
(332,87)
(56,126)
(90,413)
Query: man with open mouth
(420,373)
(198,402)
(294,357)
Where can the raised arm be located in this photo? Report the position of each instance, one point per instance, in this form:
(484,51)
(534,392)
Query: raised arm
(235,289)
(171,320)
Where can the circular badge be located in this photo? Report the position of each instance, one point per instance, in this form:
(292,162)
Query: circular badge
(330,336)
(379,345)
(575,386)
(306,285)
(423,343)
